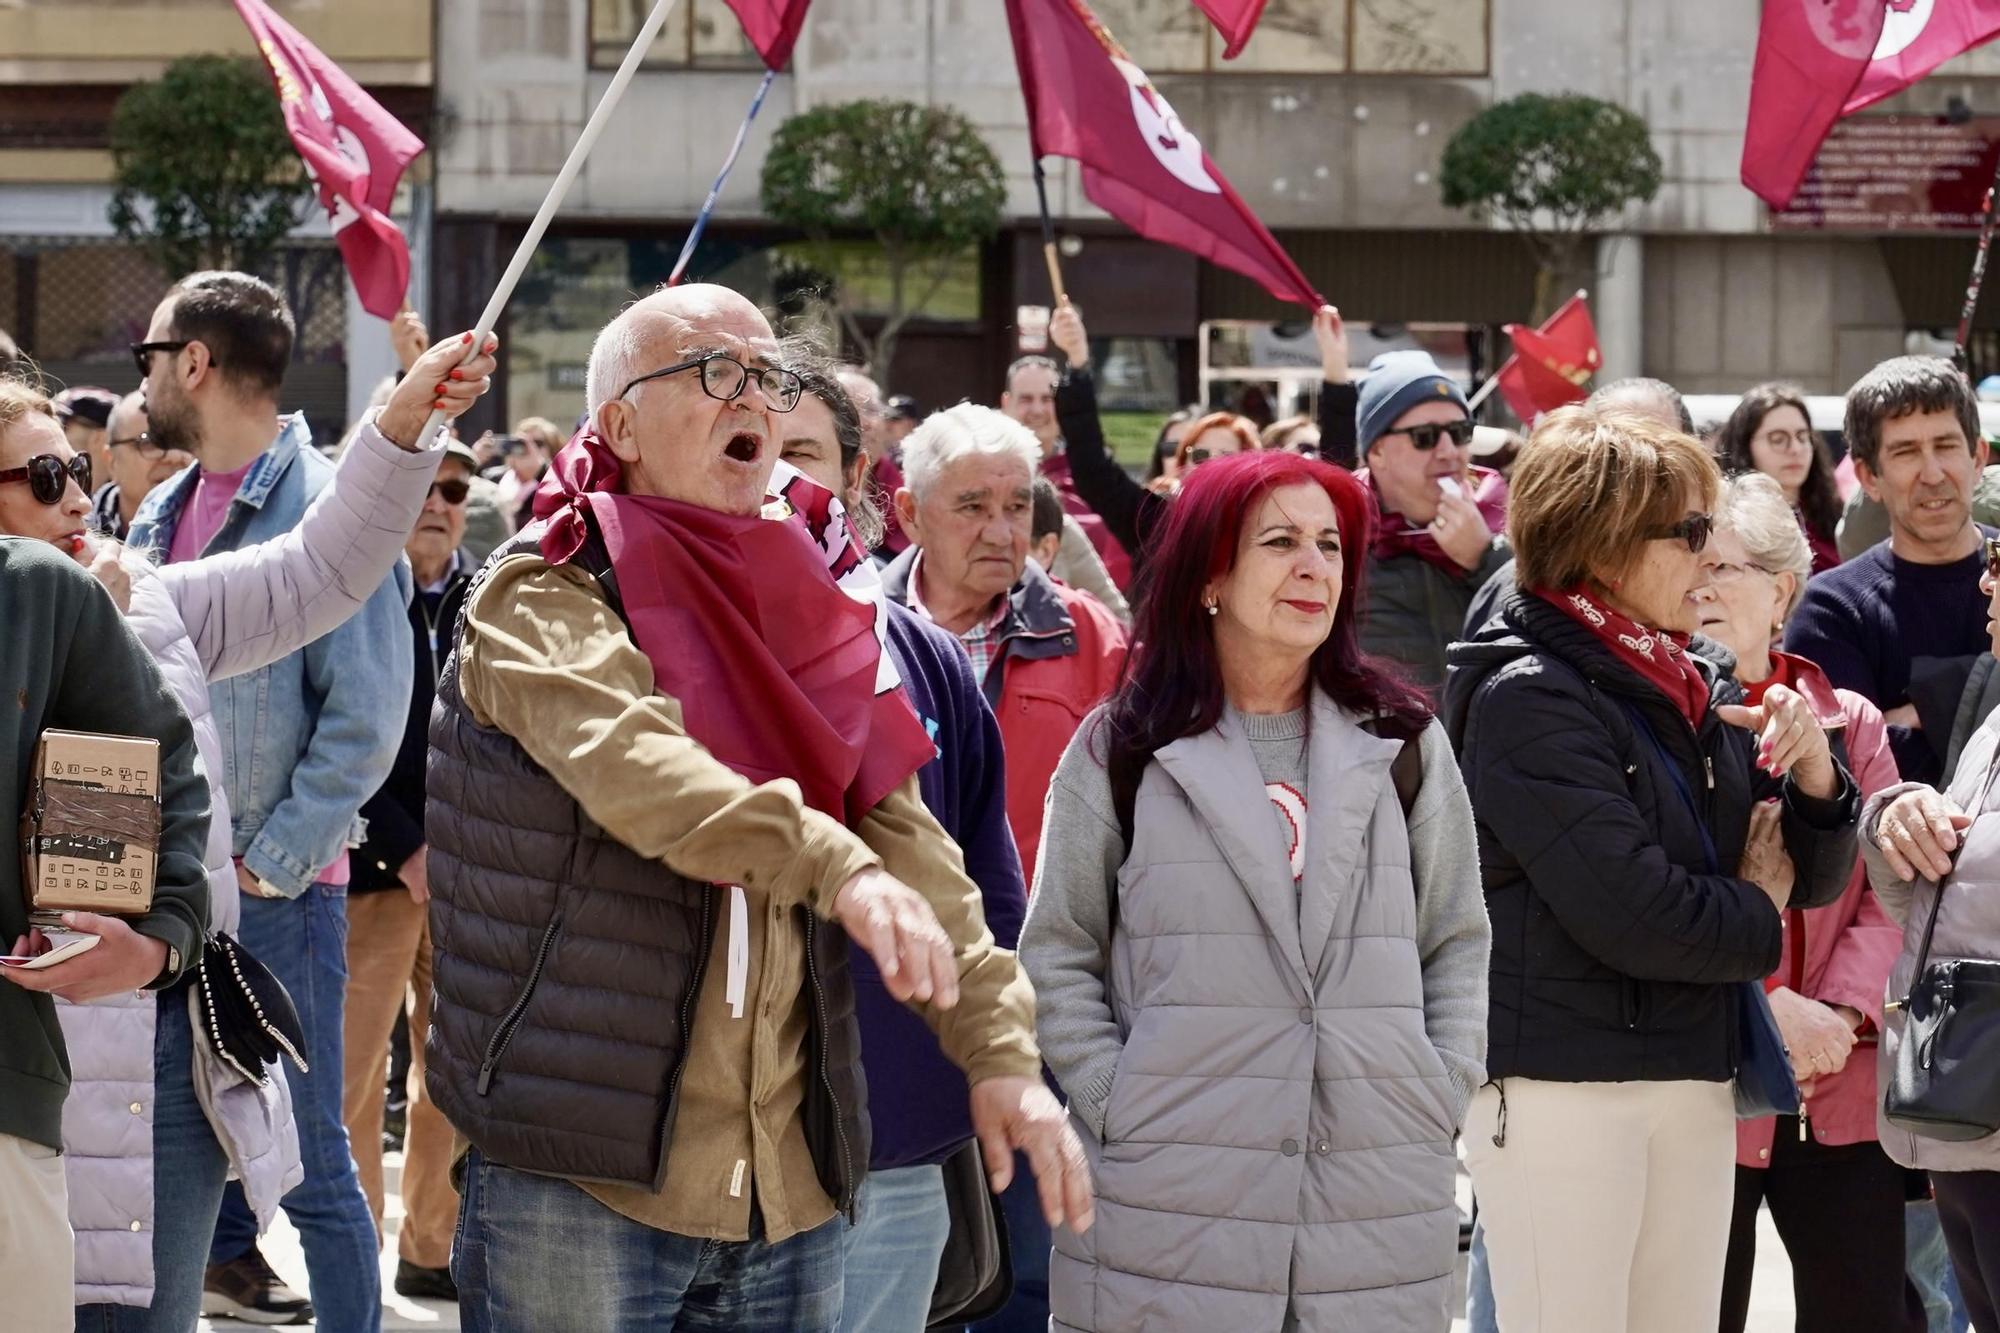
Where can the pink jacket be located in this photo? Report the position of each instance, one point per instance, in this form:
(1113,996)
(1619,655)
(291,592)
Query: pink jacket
(1841,954)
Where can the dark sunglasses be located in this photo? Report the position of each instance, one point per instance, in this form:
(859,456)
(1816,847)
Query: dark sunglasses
(148,447)
(1199,456)
(1426,436)
(142,353)
(1993,556)
(48,476)
(452,491)
(1694,530)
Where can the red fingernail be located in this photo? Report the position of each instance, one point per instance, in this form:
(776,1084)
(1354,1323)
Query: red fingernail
(455,375)
(466,338)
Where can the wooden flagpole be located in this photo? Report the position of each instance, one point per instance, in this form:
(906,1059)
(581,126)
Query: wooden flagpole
(532,238)
(1049,238)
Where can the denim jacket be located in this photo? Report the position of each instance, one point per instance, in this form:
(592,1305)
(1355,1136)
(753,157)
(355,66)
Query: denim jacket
(310,737)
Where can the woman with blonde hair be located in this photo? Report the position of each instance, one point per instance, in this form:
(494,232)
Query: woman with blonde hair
(1641,828)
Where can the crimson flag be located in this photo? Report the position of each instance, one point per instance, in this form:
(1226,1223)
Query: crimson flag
(1088,101)
(1550,365)
(772,27)
(1810,56)
(353,149)
(1917,37)
(1234,19)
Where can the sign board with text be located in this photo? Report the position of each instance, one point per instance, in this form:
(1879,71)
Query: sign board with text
(1897,173)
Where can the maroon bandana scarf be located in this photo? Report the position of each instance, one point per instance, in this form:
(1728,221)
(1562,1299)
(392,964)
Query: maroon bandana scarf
(778,671)
(1394,536)
(1658,656)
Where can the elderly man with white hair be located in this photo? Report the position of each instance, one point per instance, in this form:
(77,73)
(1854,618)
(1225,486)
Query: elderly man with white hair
(666,764)
(1044,654)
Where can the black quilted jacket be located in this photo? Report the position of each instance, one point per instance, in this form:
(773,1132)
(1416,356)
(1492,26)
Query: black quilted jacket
(1613,946)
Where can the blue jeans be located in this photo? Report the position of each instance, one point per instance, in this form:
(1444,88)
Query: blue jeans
(548,1256)
(892,1252)
(1930,1268)
(1028,1245)
(189,1168)
(1481,1314)
(304,943)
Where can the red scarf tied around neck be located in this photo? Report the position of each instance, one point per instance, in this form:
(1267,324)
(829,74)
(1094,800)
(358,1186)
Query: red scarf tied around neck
(1394,536)
(778,668)
(1660,657)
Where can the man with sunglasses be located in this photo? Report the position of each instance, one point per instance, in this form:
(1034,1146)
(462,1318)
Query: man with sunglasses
(1903,623)
(1439,520)
(309,738)
(139,465)
(668,782)
(388,929)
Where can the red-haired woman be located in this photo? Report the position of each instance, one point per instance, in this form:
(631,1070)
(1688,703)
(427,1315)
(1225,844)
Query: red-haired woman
(1257,942)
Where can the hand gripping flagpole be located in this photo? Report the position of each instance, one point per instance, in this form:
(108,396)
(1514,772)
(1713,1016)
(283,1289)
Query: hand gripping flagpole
(721,177)
(564,179)
(1978,278)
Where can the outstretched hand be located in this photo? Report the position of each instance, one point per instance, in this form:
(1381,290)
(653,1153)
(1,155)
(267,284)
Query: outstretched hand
(897,928)
(1790,740)
(443,379)
(1013,1113)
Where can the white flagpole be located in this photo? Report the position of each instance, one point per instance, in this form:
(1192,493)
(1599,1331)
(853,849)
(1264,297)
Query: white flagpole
(560,187)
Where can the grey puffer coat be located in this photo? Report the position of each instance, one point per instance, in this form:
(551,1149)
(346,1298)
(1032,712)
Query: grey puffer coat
(206,620)
(1968,927)
(1268,1106)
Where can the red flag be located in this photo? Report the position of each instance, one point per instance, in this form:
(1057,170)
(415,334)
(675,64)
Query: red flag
(772,27)
(1234,19)
(1917,37)
(1810,56)
(1087,100)
(1551,365)
(353,149)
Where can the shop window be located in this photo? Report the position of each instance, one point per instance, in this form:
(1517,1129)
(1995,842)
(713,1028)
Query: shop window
(1443,37)
(699,33)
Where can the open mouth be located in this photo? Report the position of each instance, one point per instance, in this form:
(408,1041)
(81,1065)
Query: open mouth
(743,447)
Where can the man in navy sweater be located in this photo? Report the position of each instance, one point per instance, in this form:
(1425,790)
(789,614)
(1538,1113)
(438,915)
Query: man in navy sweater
(1902,623)
(917,1098)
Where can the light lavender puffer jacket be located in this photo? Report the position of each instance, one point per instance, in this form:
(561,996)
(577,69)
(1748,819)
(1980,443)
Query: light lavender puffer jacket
(206,620)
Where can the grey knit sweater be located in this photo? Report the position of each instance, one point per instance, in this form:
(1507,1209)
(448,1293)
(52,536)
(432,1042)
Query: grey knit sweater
(1067,936)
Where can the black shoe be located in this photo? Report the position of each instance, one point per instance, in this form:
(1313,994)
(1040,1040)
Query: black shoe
(395,1124)
(430,1284)
(247,1289)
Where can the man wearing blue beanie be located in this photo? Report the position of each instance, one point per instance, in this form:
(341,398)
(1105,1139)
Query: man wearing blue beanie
(1439,520)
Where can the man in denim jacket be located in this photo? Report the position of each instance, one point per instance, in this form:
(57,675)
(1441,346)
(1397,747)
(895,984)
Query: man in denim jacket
(307,741)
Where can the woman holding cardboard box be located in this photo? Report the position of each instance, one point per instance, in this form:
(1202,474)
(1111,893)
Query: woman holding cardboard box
(204,620)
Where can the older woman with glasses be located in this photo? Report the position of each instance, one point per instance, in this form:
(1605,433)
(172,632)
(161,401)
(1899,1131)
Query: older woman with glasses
(1835,1196)
(1641,828)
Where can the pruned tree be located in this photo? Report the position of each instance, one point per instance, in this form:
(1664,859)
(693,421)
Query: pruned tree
(1552,169)
(918,180)
(206,175)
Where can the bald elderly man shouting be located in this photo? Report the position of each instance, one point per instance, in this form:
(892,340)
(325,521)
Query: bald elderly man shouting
(667,783)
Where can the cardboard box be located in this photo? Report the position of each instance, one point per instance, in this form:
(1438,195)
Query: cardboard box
(90,834)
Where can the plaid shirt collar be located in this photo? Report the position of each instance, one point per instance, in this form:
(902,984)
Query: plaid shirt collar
(983,642)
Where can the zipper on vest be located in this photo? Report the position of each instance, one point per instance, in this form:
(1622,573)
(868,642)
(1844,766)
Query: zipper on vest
(705,935)
(505,1032)
(826,1079)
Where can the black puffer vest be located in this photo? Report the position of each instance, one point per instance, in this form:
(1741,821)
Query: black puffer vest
(567,968)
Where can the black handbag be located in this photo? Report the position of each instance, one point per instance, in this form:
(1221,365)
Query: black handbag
(1946,1080)
(976,1272)
(245,1011)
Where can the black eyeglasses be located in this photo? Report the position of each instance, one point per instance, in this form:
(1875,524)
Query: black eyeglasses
(1426,436)
(142,353)
(1694,530)
(148,447)
(48,476)
(1196,456)
(452,490)
(723,377)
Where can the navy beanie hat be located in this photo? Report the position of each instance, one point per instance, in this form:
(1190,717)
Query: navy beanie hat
(1397,382)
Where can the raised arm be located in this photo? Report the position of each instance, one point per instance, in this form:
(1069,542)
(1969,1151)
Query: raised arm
(245,609)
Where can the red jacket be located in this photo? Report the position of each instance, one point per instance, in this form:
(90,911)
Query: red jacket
(1064,655)
(1840,953)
